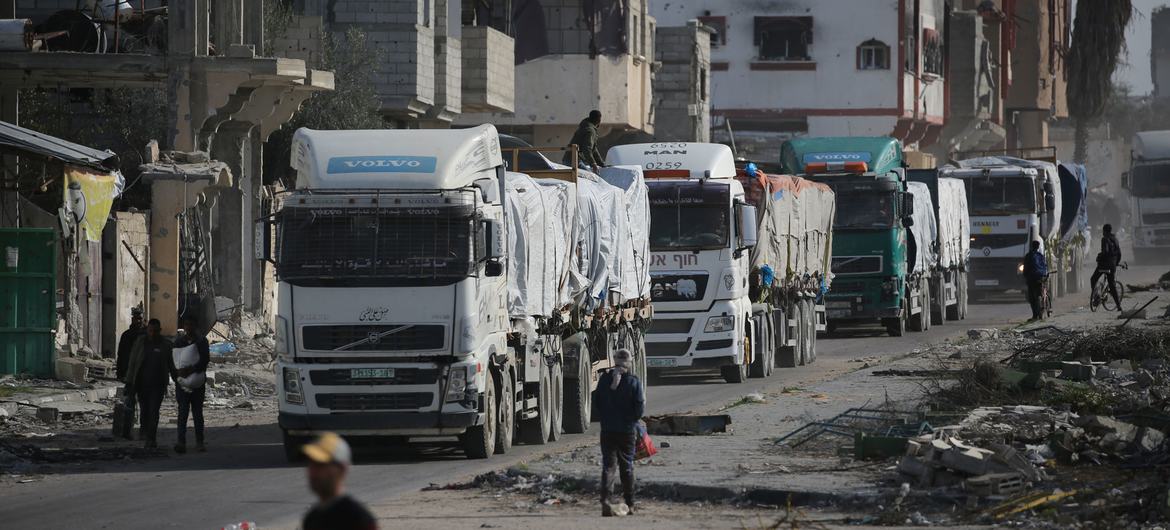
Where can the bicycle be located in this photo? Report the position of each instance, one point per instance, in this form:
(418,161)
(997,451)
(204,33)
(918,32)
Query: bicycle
(1100,295)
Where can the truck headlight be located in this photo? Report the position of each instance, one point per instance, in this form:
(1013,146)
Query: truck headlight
(292,386)
(461,384)
(1020,268)
(281,349)
(717,324)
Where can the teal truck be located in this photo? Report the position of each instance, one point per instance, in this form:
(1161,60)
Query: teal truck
(874,267)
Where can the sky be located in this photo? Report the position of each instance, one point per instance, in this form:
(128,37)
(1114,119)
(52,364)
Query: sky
(1136,70)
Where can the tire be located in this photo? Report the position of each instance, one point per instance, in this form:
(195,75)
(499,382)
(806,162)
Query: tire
(801,333)
(506,415)
(479,441)
(734,373)
(964,296)
(955,312)
(535,431)
(770,347)
(786,356)
(292,447)
(928,306)
(556,423)
(579,396)
(938,311)
(896,327)
(918,322)
(759,365)
(812,331)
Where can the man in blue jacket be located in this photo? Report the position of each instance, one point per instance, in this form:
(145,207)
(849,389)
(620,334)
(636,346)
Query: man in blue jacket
(620,403)
(1035,272)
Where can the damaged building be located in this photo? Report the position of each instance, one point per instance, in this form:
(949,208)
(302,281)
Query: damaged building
(194,245)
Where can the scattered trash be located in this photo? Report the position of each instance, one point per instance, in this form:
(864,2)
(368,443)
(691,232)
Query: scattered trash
(222,348)
(687,425)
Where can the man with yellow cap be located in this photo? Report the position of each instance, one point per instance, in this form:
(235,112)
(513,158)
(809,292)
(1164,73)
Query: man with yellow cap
(329,461)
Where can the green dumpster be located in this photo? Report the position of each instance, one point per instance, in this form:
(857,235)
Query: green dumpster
(28,298)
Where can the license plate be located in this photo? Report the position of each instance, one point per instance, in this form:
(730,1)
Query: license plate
(838,313)
(839,305)
(661,363)
(371,373)
(987,283)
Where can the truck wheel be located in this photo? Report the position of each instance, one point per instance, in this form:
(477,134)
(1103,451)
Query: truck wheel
(578,396)
(292,447)
(896,327)
(964,298)
(480,441)
(535,431)
(758,367)
(506,416)
(770,347)
(558,403)
(735,373)
(812,331)
(918,322)
(955,312)
(802,331)
(927,306)
(938,311)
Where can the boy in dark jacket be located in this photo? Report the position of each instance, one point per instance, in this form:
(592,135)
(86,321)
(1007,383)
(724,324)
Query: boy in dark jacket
(620,403)
(1035,272)
(146,373)
(191,399)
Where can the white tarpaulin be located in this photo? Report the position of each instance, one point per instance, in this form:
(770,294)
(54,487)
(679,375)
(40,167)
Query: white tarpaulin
(954,224)
(633,267)
(601,219)
(795,224)
(924,230)
(537,219)
(561,212)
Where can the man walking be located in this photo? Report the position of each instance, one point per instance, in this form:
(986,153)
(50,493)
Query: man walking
(585,138)
(1107,261)
(122,361)
(146,373)
(190,392)
(329,461)
(1035,272)
(620,403)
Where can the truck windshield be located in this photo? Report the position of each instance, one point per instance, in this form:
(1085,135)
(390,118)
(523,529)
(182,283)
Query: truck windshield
(1150,181)
(1000,195)
(365,246)
(869,209)
(689,215)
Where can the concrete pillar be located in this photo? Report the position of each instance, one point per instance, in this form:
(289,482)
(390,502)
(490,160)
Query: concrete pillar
(9,112)
(229,24)
(232,230)
(169,198)
(1031,129)
(253,19)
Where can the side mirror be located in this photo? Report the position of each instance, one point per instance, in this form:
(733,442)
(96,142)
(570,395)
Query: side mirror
(745,215)
(1125,180)
(907,205)
(493,268)
(1049,201)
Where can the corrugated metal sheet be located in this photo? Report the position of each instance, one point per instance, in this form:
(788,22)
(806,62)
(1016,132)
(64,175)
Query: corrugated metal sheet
(20,139)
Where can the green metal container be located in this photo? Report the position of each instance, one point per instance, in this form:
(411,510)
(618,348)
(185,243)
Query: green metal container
(28,315)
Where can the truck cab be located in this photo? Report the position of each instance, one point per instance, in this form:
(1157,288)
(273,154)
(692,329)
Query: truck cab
(700,231)
(871,277)
(1148,182)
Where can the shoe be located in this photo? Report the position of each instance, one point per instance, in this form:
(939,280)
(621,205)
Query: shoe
(200,447)
(630,507)
(180,448)
(606,509)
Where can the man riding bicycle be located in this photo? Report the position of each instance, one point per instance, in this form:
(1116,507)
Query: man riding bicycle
(1035,273)
(1107,261)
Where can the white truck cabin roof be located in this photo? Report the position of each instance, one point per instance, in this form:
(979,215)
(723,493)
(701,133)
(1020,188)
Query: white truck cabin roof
(414,159)
(699,159)
(996,171)
(1151,145)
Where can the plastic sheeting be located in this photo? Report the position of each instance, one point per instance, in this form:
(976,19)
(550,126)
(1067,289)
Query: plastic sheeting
(1074,183)
(795,228)
(633,267)
(954,224)
(924,231)
(537,221)
(601,221)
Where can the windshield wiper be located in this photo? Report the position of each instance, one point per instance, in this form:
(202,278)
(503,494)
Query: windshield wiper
(373,338)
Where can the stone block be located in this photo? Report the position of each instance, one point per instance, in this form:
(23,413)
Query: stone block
(973,461)
(72,370)
(1074,371)
(1148,440)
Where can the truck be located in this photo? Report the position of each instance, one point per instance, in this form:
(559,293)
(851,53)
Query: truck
(1072,253)
(952,244)
(425,292)
(1148,183)
(875,274)
(1012,202)
(710,240)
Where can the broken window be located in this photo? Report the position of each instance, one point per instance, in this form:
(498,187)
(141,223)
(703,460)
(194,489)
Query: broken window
(719,26)
(932,52)
(783,38)
(873,55)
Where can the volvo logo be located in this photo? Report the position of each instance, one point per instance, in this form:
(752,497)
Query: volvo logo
(373,337)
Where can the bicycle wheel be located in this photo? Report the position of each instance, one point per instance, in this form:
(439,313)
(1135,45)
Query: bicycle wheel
(1107,298)
(1094,299)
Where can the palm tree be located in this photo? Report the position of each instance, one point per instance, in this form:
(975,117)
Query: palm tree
(1098,37)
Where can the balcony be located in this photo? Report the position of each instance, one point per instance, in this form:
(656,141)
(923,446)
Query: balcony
(489,76)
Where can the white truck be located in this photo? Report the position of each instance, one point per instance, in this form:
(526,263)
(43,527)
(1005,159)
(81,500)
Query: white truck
(425,292)
(1012,202)
(706,263)
(952,244)
(1148,182)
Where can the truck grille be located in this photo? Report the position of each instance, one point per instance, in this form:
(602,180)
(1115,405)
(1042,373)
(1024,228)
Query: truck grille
(847,287)
(671,325)
(857,264)
(402,376)
(678,287)
(381,337)
(1156,218)
(667,349)
(410,400)
(979,241)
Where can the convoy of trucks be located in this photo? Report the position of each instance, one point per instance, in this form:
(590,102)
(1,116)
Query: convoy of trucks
(433,284)
(1148,182)
(425,291)
(738,261)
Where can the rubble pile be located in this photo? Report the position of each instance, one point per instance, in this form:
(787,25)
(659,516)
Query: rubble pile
(548,490)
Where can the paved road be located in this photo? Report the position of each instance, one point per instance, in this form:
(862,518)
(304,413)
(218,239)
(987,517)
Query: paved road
(245,476)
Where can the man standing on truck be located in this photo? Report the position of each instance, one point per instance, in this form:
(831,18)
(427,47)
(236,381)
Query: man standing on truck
(1107,261)
(1035,272)
(585,138)
(621,403)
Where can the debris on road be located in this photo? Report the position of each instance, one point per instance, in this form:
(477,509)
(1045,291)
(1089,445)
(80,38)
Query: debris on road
(687,424)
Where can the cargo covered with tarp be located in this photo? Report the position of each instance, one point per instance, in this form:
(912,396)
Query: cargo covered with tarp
(954,224)
(601,223)
(923,255)
(632,270)
(538,221)
(795,228)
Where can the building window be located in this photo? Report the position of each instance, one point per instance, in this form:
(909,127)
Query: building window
(873,55)
(783,38)
(702,84)
(719,26)
(932,52)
